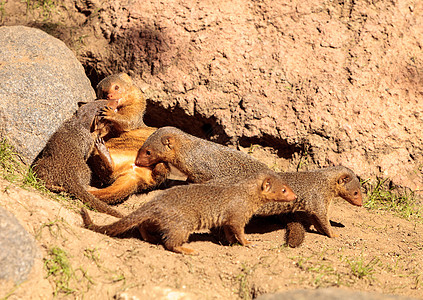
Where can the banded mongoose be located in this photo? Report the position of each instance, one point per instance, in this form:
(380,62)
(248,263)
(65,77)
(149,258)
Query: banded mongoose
(118,170)
(201,160)
(62,164)
(131,104)
(177,212)
(124,133)
(315,190)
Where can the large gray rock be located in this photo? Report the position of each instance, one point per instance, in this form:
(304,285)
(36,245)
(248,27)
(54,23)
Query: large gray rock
(17,249)
(41,83)
(330,294)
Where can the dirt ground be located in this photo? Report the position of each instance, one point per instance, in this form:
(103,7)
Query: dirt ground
(374,251)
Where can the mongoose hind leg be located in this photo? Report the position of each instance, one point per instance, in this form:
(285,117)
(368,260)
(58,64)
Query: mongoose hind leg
(121,188)
(174,237)
(230,237)
(235,233)
(179,249)
(104,155)
(147,236)
(55,188)
(130,181)
(102,163)
(322,225)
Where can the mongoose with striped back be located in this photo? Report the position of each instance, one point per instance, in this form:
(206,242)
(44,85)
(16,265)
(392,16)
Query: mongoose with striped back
(177,212)
(204,161)
(315,190)
(62,164)
(201,160)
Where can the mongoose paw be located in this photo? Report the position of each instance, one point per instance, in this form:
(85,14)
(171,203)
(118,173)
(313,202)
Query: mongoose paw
(160,171)
(184,250)
(99,141)
(243,243)
(249,244)
(106,113)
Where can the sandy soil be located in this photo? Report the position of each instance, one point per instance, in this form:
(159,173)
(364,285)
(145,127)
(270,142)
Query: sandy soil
(374,251)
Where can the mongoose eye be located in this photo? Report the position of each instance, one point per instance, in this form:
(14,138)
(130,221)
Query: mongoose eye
(148,152)
(283,190)
(116,87)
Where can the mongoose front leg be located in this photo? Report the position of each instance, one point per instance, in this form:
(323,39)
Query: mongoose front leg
(160,173)
(119,119)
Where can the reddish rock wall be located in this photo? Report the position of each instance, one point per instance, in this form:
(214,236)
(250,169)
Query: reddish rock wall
(342,80)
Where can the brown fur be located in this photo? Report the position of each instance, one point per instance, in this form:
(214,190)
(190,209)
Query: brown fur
(201,160)
(177,212)
(295,233)
(124,133)
(315,191)
(117,167)
(62,163)
(131,103)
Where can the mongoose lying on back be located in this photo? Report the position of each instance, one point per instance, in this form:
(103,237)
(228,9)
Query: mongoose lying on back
(118,170)
(177,212)
(315,190)
(124,133)
(62,163)
(199,159)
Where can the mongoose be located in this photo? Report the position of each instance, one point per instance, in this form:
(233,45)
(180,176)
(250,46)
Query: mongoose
(62,163)
(199,159)
(131,104)
(119,169)
(315,190)
(177,212)
(124,132)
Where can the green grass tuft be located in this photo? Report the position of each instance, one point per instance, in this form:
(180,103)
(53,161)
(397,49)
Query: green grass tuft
(58,267)
(384,196)
(11,166)
(47,7)
(361,269)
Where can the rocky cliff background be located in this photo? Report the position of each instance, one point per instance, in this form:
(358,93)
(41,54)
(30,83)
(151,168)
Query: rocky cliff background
(317,83)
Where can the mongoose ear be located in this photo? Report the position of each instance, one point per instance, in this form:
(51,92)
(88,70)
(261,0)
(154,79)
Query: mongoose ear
(80,103)
(266,186)
(344,179)
(168,141)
